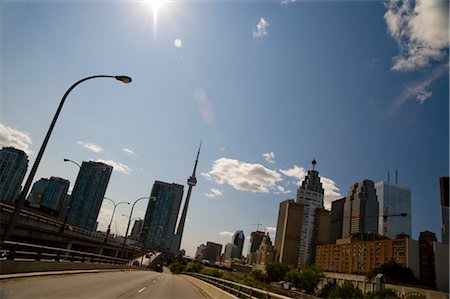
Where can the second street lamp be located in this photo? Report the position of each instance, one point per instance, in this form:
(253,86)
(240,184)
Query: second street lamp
(129,219)
(21,199)
(69,207)
(112,216)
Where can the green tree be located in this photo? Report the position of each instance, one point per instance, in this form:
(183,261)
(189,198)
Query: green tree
(347,290)
(307,278)
(276,271)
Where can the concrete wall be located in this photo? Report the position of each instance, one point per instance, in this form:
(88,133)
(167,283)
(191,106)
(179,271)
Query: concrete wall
(11,267)
(426,293)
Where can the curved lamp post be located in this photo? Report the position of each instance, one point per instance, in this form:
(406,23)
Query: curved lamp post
(129,219)
(21,200)
(69,208)
(112,216)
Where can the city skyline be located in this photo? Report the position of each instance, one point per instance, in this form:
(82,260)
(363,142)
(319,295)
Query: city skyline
(267,93)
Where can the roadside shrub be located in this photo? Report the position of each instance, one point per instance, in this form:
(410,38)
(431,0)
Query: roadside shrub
(212,272)
(194,267)
(258,275)
(177,266)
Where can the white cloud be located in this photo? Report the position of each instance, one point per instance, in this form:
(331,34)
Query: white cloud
(331,192)
(226,234)
(296,172)
(419,90)
(117,166)
(91,146)
(421,30)
(214,193)
(269,157)
(282,190)
(129,152)
(261,28)
(15,138)
(243,176)
(271,230)
(284,2)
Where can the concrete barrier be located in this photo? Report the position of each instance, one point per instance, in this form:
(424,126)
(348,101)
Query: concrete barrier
(12,267)
(210,290)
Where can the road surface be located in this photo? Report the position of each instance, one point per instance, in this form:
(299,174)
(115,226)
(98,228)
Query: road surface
(117,284)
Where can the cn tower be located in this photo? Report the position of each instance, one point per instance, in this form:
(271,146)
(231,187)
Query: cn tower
(192,181)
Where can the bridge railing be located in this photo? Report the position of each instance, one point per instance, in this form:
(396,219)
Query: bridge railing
(237,289)
(7,208)
(17,251)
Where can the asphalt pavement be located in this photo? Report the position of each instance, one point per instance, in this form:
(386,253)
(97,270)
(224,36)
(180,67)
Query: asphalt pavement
(104,284)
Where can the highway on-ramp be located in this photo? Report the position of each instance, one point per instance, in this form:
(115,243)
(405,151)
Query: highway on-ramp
(116,284)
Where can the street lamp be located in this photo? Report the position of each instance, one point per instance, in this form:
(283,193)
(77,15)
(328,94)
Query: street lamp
(129,219)
(69,208)
(112,216)
(21,199)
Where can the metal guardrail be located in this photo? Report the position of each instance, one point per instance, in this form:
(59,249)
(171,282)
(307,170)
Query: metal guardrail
(16,251)
(237,289)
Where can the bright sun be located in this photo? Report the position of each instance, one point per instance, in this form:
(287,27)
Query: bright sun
(154,6)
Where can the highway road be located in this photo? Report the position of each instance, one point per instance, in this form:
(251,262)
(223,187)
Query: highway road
(117,284)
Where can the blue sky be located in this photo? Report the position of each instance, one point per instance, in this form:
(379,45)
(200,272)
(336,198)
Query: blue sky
(361,86)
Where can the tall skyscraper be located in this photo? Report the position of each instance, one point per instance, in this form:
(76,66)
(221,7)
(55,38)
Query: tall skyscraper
(443,182)
(310,195)
(13,167)
(88,193)
(287,236)
(37,192)
(360,209)
(230,252)
(322,230)
(238,240)
(161,216)
(192,181)
(393,199)
(337,217)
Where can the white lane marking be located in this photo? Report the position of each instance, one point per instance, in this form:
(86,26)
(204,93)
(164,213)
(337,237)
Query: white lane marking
(141,290)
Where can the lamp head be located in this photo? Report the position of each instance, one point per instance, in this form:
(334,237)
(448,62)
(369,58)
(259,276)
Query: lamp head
(124,79)
(66,160)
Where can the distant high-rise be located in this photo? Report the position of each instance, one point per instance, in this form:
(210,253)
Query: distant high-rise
(49,193)
(13,167)
(444,187)
(322,230)
(426,258)
(287,237)
(255,240)
(161,216)
(337,217)
(192,181)
(136,230)
(230,252)
(211,252)
(37,192)
(360,209)
(310,195)
(238,240)
(393,199)
(88,193)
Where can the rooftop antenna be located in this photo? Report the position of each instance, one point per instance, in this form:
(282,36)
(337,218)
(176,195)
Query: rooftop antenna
(257,226)
(314,162)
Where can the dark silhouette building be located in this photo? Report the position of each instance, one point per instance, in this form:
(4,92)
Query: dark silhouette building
(238,241)
(161,216)
(13,167)
(443,182)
